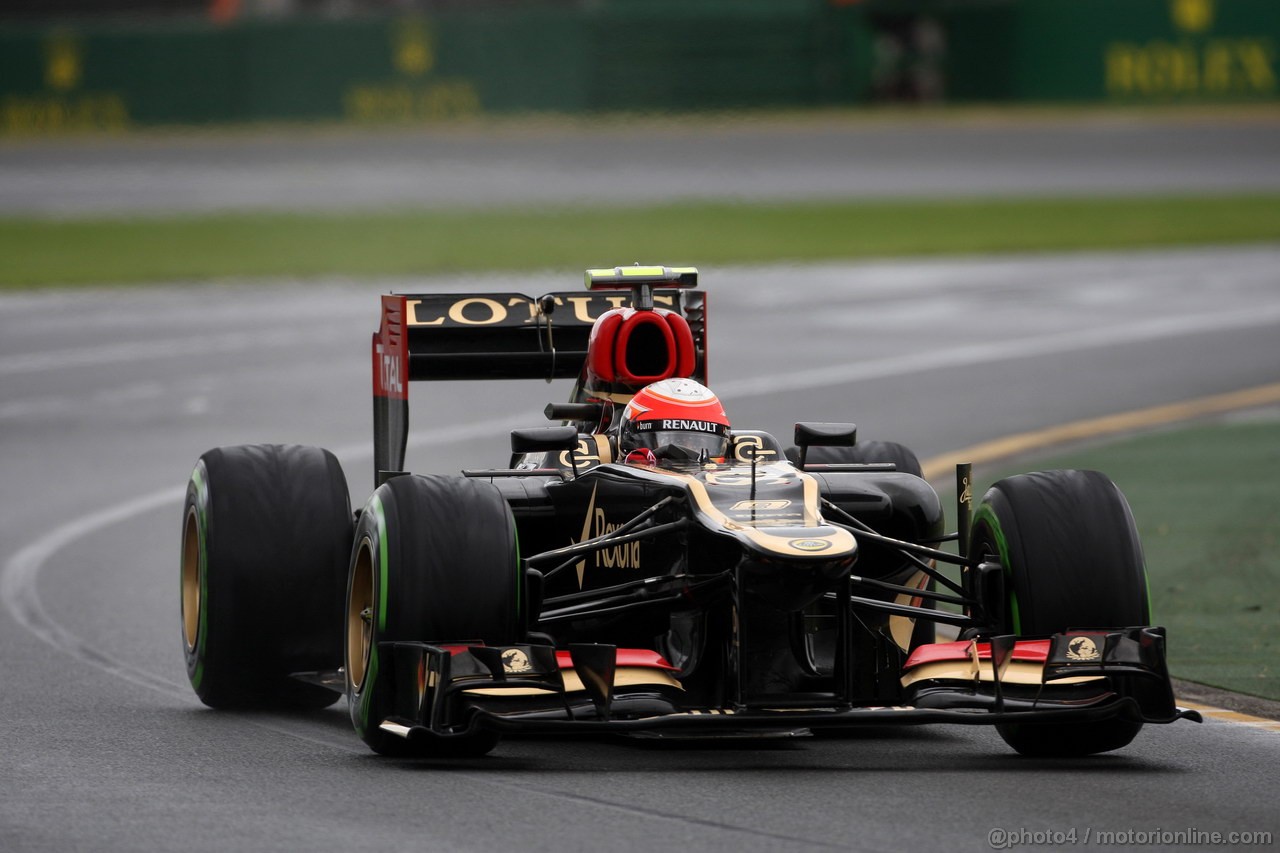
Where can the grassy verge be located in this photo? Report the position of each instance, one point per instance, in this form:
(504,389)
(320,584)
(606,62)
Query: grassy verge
(94,251)
(1207,503)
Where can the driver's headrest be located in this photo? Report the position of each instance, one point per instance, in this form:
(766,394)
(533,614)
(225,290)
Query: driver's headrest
(636,348)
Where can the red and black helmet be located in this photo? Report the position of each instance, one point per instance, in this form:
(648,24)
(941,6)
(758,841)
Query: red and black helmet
(678,414)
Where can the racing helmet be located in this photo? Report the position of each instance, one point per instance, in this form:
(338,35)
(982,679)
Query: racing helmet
(675,418)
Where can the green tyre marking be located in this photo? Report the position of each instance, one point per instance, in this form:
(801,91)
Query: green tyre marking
(984,513)
(519,577)
(202,568)
(376,504)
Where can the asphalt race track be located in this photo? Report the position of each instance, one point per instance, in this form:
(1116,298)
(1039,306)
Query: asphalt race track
(108,397)
(534,163)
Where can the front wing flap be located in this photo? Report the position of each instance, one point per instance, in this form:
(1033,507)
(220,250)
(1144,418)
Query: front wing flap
(1076,676)
(1009,674)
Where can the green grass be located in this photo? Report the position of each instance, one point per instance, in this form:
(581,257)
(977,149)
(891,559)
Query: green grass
(95,251)
(1207,503)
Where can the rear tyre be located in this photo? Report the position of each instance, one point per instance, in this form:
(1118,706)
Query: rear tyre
(435,560)
(1072,559)
(863,452)
(265,538)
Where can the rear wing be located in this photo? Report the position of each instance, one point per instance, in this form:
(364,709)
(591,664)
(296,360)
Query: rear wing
(434,336)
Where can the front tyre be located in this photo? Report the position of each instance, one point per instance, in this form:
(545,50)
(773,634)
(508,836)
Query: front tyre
(265,537)
(1072,559)
(435,560)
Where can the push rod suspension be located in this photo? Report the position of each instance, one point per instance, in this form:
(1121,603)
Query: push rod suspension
(600,543)
(613,537)
(908,550)
(911,591)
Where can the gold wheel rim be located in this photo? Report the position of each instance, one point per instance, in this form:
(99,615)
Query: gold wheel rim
(360,615)
(191,579)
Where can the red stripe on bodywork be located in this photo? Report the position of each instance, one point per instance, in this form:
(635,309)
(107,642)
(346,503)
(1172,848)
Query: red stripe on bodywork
(626,657)
(1035,651)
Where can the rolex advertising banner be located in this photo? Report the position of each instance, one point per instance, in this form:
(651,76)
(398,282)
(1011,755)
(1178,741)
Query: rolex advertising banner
(1146,50)
(528,57)
(630,56)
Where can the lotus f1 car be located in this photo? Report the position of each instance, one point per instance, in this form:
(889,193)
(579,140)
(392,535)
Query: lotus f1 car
(592,587)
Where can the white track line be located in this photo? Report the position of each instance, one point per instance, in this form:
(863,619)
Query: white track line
(18,580)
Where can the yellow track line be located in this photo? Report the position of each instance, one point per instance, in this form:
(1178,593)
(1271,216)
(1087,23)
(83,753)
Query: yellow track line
(1215,713)
(1013,445)
(1002,448)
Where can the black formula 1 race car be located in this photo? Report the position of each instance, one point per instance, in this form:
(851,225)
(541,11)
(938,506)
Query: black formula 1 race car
(613,577)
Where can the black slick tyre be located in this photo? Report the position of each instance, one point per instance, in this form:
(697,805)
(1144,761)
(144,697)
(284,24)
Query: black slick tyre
(435,560)
(265,538)
(1072,559)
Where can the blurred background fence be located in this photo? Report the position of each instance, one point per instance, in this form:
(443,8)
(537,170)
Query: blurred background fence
(68,65)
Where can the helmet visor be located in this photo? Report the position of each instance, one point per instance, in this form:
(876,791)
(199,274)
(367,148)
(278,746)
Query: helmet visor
(711,437)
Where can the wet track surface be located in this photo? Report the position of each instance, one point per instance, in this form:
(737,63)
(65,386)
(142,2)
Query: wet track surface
(108,397)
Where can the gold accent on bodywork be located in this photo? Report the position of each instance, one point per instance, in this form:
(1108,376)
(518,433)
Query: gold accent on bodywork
(626,676)
(842,541)
(585,455)
(581,567)
(1019,672)
(616,398)
(901,627)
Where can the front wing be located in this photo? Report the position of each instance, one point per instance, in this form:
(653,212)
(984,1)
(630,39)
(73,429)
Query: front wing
(1077,676)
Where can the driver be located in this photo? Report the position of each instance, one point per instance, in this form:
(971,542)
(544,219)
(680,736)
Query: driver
(675,420)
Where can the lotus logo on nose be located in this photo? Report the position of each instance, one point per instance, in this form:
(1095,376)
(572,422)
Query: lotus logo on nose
(810,544)
(514,660)
(1082,648)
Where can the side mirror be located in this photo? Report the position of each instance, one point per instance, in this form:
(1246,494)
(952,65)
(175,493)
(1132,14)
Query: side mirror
(542,439)
(824,435)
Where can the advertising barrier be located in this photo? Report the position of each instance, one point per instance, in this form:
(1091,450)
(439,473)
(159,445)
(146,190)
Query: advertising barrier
(631,56)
